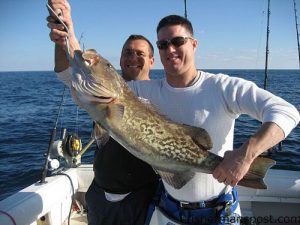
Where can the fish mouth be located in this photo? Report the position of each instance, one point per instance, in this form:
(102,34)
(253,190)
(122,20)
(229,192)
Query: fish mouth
(103,99)
(89,89)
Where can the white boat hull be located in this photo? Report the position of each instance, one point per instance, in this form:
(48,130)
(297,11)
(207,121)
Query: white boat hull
(50,203)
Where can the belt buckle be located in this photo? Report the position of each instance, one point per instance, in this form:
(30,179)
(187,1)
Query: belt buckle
(188,205)
(184,204)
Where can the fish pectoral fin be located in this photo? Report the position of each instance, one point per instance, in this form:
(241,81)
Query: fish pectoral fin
(258,169)
(176,180)
(115,113)
(200,136)
(100,134)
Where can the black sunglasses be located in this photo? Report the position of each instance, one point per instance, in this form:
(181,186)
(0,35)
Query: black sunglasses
(176,41)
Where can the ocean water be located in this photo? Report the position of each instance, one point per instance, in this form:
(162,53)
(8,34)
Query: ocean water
(29,108)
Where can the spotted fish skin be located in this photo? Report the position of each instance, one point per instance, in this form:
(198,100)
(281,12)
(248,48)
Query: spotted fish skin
(175,150)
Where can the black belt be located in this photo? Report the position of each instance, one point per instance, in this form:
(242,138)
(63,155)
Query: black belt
(193,205)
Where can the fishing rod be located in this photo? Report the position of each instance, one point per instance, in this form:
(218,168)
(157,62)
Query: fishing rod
(296,22)
(70,146)
(53,135)
(267,47)
(266,63)
(185,12)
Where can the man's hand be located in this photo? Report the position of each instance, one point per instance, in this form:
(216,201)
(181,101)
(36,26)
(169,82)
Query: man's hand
(236,163)
(58,32)
(233,167)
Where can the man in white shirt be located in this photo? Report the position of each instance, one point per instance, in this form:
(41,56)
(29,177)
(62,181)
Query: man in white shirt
(212,102)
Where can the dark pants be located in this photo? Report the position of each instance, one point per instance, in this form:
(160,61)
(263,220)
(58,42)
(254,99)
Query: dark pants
(132,210)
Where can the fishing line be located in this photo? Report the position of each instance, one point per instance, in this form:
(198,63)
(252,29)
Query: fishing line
(81,37)
(76,121)
(61,120)
(60,106)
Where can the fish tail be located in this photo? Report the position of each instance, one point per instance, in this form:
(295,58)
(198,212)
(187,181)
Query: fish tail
(258,169)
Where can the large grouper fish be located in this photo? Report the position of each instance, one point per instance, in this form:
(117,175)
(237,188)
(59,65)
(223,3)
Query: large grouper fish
(175,151)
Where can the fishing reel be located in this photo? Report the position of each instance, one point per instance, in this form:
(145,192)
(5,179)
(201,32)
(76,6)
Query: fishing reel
(68,148)
(72,145)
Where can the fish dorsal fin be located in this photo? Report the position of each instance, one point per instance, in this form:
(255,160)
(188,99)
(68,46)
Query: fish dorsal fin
(115,113)
(199,135)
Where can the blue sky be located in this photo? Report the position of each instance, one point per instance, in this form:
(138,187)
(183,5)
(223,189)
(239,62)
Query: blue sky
(231,33)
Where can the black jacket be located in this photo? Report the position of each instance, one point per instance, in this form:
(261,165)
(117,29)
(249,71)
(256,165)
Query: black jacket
(118,171)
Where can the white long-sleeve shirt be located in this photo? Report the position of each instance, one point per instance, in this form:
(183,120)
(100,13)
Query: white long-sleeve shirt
(212,103)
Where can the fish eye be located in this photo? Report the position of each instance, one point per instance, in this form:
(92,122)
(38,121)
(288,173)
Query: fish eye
(109,65)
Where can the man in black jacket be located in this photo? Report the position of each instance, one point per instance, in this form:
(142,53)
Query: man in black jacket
(123,185)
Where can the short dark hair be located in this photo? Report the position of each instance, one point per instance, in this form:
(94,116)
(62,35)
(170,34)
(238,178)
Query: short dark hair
(133,37)
(175,20)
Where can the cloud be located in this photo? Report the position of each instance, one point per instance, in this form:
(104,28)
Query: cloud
(232,58)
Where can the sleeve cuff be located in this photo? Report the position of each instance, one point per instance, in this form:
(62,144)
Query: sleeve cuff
(285,122)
